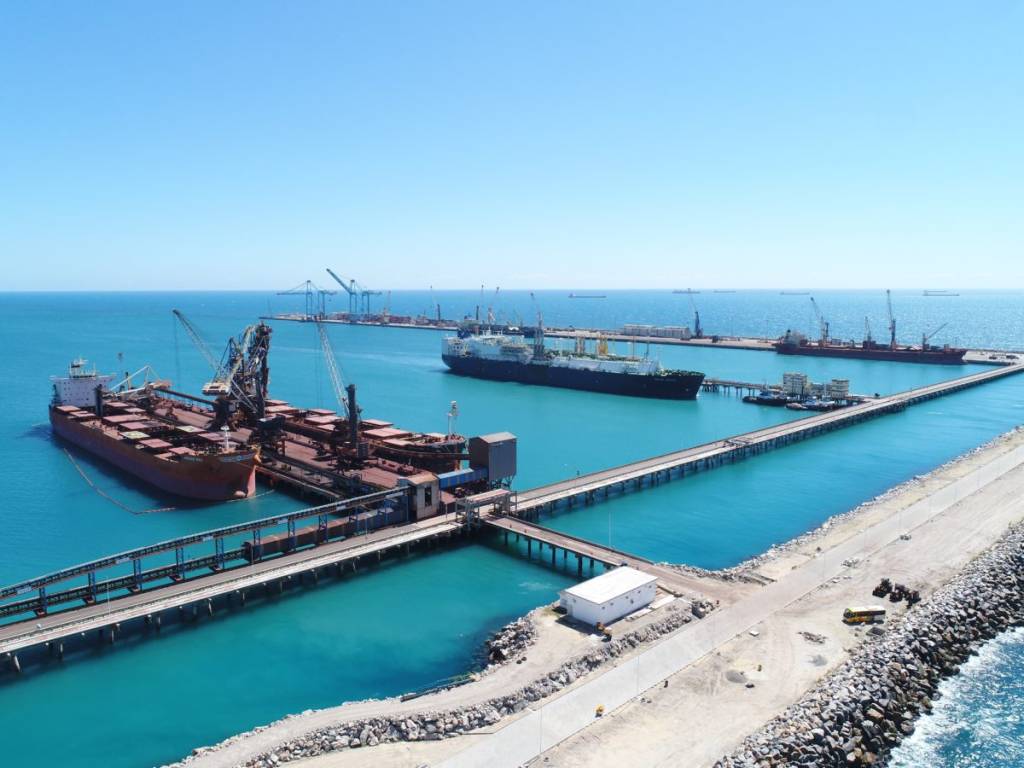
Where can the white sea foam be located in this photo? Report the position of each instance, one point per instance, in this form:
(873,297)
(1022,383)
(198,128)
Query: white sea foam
(978,722)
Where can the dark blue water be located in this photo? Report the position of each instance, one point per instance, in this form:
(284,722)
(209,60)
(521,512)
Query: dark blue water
(416,621)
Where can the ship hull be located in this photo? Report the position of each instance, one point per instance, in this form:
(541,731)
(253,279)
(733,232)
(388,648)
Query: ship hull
(664,386)
(952,357)
(210,478)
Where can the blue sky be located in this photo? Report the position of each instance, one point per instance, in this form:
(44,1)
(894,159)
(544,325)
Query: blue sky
(529,144)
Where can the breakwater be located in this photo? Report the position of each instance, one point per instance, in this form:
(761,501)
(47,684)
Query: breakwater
(432,725)
(862,710)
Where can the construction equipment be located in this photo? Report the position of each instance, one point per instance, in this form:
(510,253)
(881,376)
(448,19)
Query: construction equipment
(925,338)
(822,322)
(892,320)
(316,297)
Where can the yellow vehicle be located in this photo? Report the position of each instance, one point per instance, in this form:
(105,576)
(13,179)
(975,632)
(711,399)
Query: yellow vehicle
(867,614)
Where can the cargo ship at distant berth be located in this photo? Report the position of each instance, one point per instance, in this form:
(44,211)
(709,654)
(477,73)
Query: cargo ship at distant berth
(797,344)
(793,343)
(175,457)
(509,358)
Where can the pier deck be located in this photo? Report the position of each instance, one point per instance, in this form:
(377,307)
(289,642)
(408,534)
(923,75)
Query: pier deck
(670,579)
(55,627)
(658,469)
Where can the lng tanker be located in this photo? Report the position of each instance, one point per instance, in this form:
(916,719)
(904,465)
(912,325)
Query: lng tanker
(175,457)
(510,358)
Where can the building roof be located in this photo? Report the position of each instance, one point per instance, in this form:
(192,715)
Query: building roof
(497,437)
(610,585)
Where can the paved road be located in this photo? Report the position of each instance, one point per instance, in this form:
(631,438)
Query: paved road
(556,719)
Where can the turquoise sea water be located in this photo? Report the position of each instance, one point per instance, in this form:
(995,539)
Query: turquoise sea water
(422,619)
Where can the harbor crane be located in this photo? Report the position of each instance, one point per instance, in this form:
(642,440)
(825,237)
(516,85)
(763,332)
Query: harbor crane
(211,387)
(868,340)
(316,297)
(242,375)
(822,322)
(358,295)
(926,337)
(345,395)
(490,308)
(892,319)
(698,332)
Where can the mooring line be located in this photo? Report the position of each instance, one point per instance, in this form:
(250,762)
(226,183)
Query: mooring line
(107,496)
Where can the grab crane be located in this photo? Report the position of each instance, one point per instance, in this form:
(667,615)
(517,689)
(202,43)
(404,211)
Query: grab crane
(822,322)
(892,320)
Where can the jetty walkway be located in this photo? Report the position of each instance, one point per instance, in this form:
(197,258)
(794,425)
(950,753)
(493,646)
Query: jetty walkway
(143,594)
(54,628)
(591,487)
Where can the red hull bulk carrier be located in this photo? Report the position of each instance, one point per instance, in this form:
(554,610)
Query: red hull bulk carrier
(176,458)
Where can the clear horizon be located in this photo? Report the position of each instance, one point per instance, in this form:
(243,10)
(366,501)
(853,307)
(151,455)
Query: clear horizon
(750,147)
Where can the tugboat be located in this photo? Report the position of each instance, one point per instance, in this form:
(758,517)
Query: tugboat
(768,397)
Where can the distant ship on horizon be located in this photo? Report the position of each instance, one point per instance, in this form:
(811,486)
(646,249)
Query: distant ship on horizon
(587,296)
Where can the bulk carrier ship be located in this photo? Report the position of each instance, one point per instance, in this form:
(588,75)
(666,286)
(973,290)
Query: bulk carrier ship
(793,343)
(176,457)
(797,344)
(510,358)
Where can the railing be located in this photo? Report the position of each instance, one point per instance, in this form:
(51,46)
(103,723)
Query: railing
(181,564)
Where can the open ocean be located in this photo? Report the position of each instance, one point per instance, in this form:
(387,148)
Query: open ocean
(415,621)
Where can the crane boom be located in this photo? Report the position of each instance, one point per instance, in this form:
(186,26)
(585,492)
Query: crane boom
(925,338)
(892,320)
(822,322)
(332,368)
(349,289)
(197,339)
(698,332)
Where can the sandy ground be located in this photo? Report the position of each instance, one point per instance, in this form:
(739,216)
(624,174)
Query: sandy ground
(706,709)
(704,713)
(556,642)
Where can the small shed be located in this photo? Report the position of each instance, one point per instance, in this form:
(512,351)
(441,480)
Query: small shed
(609,596)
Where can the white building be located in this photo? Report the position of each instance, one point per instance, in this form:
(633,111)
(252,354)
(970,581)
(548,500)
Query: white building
(609,596)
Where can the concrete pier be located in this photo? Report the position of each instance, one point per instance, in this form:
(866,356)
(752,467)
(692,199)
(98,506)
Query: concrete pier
(635,475)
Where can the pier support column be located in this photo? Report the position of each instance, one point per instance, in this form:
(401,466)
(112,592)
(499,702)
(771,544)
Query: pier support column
(157,621)
(552,557)
(209,606)
(15,664)
(591,565)
(60,651)
(579,565)
(529,547)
